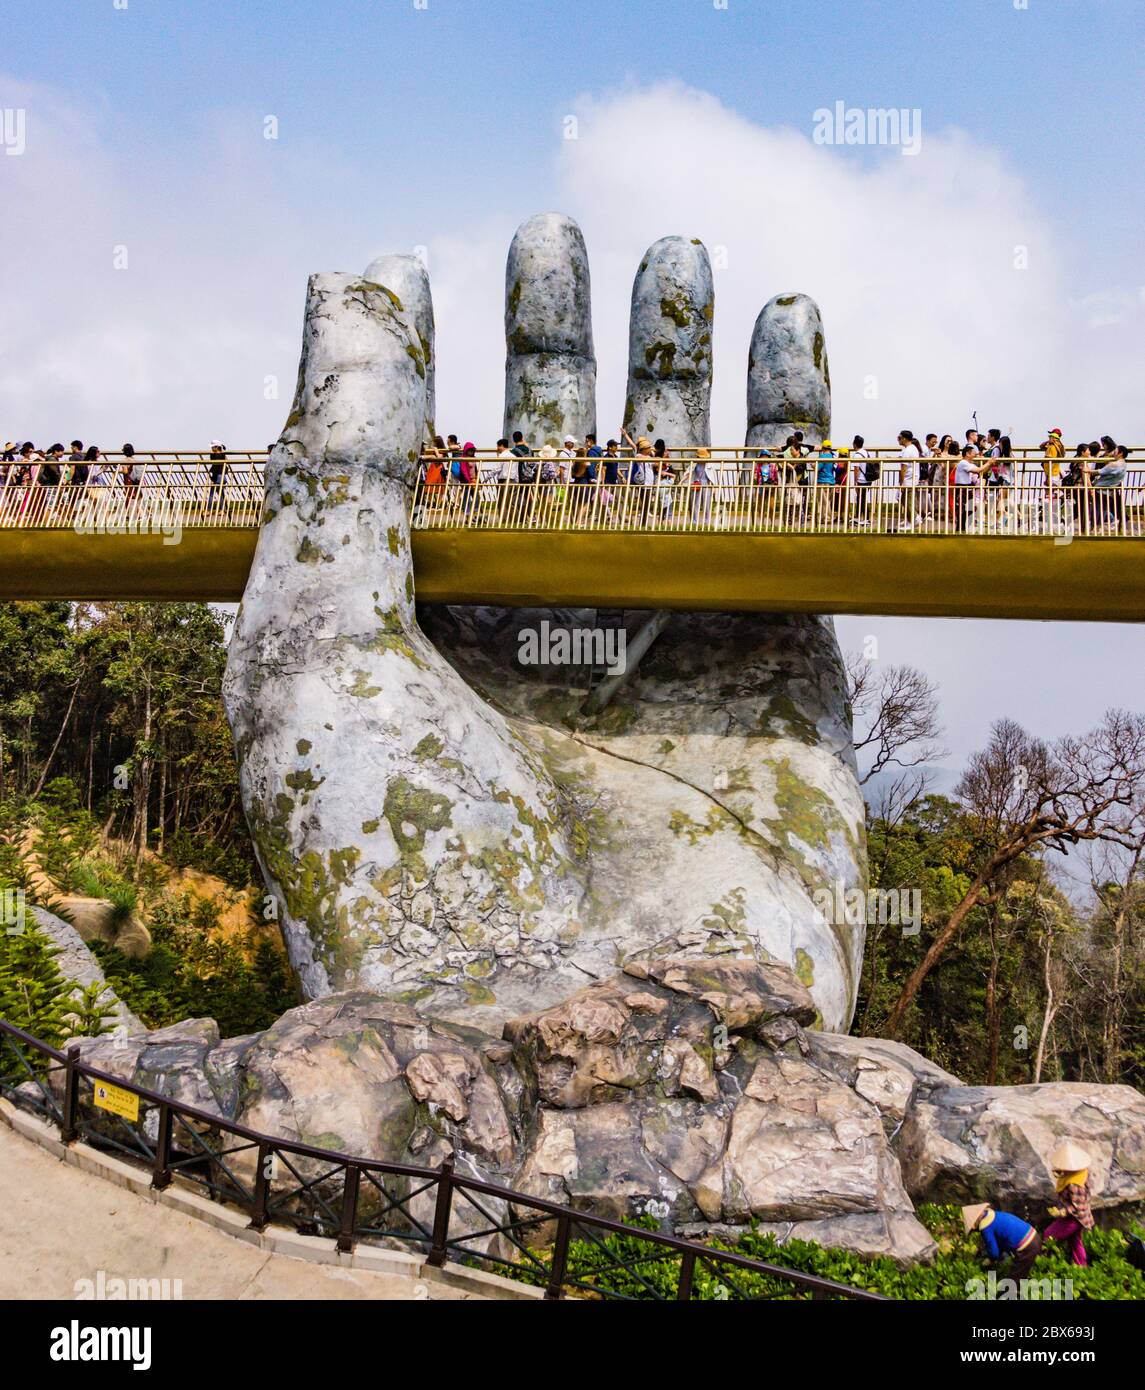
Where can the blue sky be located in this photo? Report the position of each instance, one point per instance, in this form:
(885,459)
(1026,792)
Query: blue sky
(462,99)
(445,127)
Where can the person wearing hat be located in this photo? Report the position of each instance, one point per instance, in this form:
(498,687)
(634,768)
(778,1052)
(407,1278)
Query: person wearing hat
(1002,1233)
(1054,451)
(639,474)
(1072,1213)
(825,479)
(701,481)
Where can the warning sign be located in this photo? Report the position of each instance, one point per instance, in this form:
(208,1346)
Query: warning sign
(117,1100)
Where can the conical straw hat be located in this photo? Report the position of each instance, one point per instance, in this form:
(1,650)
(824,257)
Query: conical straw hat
(972,1215)
(1069,1157)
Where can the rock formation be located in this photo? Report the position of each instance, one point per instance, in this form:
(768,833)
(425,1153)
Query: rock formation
(550,366)
(436,820)
(683,1088)
(788,381)
(77,964)
(670,344)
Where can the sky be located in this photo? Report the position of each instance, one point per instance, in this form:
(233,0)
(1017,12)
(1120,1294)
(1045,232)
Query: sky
(178,168)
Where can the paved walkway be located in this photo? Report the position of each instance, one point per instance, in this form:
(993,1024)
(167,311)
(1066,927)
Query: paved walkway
(60,1225)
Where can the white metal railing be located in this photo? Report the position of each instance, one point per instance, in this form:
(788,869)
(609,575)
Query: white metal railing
(1029,506)
(180,491)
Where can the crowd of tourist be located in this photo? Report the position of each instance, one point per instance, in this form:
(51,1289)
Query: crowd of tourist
(24,468)
(928,479)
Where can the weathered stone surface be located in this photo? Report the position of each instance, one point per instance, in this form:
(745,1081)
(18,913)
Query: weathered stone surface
(486,854)
(670,344)
(550,366)
(993,1143)
(781,1142)
(397,817)
(660,1101)
(652,1093)
(788,380)
(607,1041)
(75,962)
(710,798)
(407,277)
(886,1073)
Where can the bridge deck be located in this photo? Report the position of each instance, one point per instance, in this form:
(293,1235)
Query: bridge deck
(1026,551)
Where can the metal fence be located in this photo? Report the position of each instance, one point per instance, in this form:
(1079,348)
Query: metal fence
(180,491)
(446,1214)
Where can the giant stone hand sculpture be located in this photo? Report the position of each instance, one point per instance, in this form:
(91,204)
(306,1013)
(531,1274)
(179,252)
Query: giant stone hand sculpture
(486,854)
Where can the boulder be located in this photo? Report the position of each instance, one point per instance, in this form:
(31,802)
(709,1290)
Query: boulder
(993,1143)
(888,1074)
(75,962)
(656,1026)
(96,919)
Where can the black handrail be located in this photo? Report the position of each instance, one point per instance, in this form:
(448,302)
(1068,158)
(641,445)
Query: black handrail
(165,1166)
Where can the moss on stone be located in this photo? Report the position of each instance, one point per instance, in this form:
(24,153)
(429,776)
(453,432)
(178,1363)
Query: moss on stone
(665,352)
(310,554)
(677,310)
(413,812)
(361,688)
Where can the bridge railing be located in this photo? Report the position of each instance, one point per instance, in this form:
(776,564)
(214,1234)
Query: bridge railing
(721,503)
(178,492)
(444,1213)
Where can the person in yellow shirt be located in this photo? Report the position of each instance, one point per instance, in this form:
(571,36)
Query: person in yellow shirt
(1054,451)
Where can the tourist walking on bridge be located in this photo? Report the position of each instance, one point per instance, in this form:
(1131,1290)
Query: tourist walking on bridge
(216,468)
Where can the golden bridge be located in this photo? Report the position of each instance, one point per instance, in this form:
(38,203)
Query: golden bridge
(711,538)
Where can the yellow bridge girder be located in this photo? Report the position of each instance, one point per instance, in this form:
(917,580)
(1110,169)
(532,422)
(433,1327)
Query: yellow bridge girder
(1096,579)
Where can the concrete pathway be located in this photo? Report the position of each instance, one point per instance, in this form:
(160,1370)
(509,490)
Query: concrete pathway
(60,1224)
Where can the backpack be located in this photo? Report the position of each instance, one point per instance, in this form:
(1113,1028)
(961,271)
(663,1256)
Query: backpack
(527,470)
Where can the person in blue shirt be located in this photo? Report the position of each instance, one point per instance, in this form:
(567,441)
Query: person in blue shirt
(1002,1234)
(612,461)
(592,452)
(825,479)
